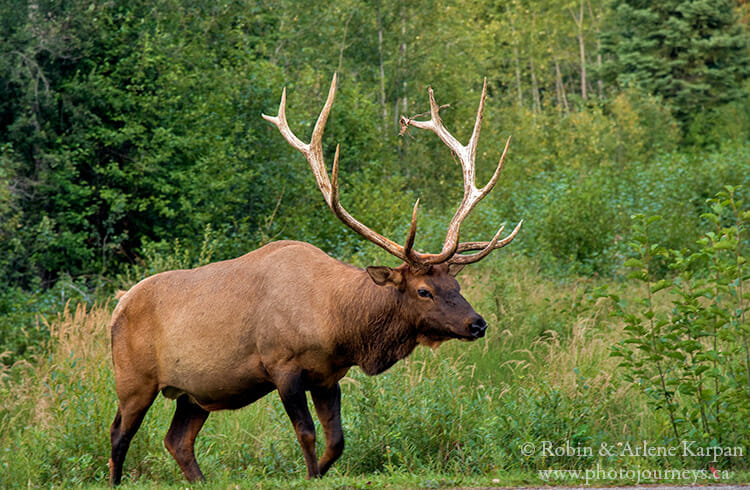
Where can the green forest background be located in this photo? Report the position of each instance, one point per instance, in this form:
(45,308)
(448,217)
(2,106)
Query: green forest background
(131,141)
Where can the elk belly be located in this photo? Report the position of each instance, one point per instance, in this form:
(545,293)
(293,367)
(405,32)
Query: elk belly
(216,384)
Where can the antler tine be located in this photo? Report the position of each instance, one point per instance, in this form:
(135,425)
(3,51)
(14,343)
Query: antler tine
(313,151)
(412,234)
(474,140)
(487,188)
(280,122)
(329,187)
(434,107)
(435,124)
(472,195)
(316,141)
(449,140)
(485,247)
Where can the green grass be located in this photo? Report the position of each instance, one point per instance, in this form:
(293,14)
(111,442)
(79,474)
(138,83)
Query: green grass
(405,480)
(458,416)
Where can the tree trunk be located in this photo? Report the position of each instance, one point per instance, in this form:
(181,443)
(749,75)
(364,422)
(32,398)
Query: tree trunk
(516,59)
(402,74)
(382,68)
(534,83)
(518,76)
(562,99)
(535,87)
(343,45)
(404,99)
(597,29)
(582,49)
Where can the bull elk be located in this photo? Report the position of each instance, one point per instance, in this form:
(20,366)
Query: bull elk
(288,317)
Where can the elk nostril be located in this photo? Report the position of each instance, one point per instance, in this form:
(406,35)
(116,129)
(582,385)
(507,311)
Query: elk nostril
(478,327)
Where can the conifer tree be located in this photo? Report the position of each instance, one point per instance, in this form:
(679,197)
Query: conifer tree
(693,53)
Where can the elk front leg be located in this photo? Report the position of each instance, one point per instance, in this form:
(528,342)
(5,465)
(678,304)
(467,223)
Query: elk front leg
(328,407)
(294,399)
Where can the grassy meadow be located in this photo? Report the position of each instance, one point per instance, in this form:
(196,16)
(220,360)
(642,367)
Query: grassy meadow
(461,415)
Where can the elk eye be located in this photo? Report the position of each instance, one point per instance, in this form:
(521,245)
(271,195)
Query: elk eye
(424,293)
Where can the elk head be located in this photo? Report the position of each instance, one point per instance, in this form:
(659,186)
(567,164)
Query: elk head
(425,282)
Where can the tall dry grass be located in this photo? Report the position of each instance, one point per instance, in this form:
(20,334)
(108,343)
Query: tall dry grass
(52,398)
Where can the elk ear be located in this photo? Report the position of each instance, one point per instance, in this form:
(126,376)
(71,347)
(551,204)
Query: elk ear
(454,269)
(383,276)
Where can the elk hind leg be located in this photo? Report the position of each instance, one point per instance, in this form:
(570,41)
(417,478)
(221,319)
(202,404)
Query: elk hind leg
(130,413)
(180,439)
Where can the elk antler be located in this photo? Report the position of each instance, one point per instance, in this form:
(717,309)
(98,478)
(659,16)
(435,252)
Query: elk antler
(467,156)
(313,152)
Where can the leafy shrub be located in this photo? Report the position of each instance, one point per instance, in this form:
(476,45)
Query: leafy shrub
(577,225)
(718,126)
(693,361)
(24,314)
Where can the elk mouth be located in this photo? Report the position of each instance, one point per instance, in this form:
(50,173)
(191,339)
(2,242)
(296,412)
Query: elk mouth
(470,337)
(434,339)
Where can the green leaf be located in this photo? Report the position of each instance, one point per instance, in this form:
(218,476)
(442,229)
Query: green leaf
(633,262)
(676,355)
(711,217)
(700,370)
(664,283)
(725,245)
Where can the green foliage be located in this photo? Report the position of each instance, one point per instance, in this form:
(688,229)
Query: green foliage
(140,139)
(20,328)
(127,124)
(23,315)
(10,218)
(580,222)
(579,227)
(693,359)
(693,53)
(630,127)
(647,351)
(727,122)
(164,256)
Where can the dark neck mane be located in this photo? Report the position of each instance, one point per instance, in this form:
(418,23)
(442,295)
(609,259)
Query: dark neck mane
(375,332)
